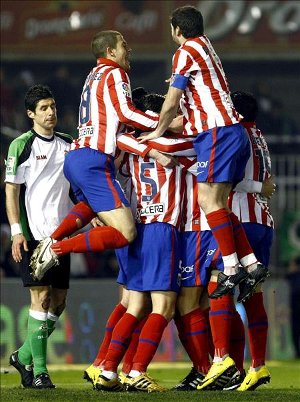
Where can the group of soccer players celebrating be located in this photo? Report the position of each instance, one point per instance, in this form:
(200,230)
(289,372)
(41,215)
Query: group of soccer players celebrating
(185,207)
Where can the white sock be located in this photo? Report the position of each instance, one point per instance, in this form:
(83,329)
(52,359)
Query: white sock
(134,373)
(110,375)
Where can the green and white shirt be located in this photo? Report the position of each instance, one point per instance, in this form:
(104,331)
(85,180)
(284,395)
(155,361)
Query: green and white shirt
(36,162)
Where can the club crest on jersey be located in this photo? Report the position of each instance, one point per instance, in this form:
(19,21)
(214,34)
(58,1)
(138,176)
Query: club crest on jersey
(126,90)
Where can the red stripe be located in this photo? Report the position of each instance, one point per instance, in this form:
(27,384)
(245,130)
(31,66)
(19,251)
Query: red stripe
(216,95)
(135,160)
(115,194)
(197,259)
(210,175)
(251,203)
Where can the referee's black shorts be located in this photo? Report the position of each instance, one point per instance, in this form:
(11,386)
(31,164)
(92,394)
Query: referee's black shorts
(57,277)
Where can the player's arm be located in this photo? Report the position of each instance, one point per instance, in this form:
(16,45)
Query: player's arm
(168,113)
(12,192)
(265,188)
(128,143)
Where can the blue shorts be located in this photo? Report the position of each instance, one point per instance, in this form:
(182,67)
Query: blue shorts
(260,238)
(122,258)
(198,251)
(222,154)
(153,259)
(92,177)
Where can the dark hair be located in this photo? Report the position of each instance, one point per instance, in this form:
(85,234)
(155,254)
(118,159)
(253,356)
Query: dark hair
(245,104)
(102,40)
(190,21)
(144,101)
(137,94)
(35,94)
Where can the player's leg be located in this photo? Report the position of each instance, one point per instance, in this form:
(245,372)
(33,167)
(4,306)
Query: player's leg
(221,314)
(193,333)
(163,307)
(33,350)
(96,184)
(120,338)
(261,238)
(157,271)
(78,217)
(94,370)
(224,165)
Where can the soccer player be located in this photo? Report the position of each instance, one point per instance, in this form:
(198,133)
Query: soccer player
(105,110)
(37,198)
(151,269)
(249,202)
(199,84)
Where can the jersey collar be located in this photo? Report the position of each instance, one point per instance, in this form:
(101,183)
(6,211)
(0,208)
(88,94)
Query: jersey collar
(42,137)
(108,62)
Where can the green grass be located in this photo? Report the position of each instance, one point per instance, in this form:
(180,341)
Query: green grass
(284,386)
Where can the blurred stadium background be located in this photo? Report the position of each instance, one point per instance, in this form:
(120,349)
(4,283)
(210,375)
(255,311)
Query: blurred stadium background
(259,44)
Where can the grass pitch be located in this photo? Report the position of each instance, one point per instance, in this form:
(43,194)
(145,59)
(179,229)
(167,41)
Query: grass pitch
(284,386)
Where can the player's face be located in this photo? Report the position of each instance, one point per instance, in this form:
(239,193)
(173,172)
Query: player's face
(44,117)
(122,53)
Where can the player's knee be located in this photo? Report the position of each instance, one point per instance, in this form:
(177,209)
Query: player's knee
(45,301)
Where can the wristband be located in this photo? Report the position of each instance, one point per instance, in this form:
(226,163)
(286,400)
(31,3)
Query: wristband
(15,229)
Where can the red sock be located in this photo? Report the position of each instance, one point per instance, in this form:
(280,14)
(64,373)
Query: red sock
(182,336)
(220,317)
(119,341)
(115,316)
(237,341)
(221,227)
(148,342)
(196,334)
(242,244)
(257,328)
(131,350)
(79,216)
(211,347)
(96,239)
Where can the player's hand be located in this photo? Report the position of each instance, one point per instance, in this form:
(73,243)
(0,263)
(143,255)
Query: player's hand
(268,187)
(167,161)
(96,222)
(18,241)
(148,136)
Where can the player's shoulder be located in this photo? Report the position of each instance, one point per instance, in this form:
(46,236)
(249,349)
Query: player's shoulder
(22,140)
(65,137)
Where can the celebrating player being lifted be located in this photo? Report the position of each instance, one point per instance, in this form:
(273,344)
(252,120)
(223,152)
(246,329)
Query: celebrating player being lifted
(105,110)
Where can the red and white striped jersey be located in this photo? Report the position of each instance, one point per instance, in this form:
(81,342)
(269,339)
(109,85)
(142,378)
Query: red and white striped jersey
(246,201)
(206,102)
(106,108)
(158,190)
(193,218)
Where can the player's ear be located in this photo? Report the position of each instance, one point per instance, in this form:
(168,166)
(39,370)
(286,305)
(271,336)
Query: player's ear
(110,51)
(178,31)
(30,114)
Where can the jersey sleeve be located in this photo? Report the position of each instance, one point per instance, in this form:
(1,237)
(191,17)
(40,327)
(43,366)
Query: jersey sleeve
(248,186)
(128,143)
(16,161)
(120,93)
(173,146)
